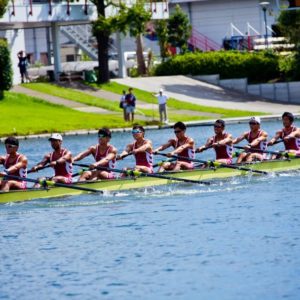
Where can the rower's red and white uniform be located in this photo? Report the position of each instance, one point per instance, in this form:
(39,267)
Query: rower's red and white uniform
(261,146)
(22,172)
(188,152)
(223,151)
(292,143)
(110,164)
(64,169)
(143,158)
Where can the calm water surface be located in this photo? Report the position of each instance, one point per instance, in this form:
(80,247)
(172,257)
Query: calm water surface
(237,239)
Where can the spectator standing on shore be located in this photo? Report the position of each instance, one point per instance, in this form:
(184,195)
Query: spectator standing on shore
(162,106)
(23,63)
(123,104)
(130,105)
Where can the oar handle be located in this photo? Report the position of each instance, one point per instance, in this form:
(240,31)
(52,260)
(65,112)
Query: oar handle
(38,169)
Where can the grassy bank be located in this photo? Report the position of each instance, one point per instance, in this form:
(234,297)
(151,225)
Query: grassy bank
(23,115)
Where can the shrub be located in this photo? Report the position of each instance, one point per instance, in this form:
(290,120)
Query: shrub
(290,66)
(257,67)
(5,67)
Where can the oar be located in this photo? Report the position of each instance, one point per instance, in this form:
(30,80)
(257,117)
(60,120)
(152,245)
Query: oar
(163,161)
(46,183)
(214,163)
(138,173)
(38,169)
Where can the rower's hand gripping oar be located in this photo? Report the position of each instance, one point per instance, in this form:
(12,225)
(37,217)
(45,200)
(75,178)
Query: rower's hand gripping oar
(46,183)
(141,174)
(38,169)
(213,163)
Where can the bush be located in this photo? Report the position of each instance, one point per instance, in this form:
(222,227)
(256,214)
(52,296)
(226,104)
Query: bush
(257,67)
(290,66)
(5,67)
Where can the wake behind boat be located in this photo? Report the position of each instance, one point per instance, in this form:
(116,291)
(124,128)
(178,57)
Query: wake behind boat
(128,183)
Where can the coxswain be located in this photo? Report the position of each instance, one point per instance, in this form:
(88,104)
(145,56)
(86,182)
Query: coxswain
(289,134)
(105,156)
(142,150)
(15,164)
(60,160)
(221,142)
(257,140)
(183,145)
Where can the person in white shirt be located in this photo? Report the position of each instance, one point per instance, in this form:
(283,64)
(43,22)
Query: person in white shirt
(162,106)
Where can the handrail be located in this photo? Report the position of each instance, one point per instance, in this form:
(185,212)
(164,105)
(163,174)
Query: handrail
(201,41)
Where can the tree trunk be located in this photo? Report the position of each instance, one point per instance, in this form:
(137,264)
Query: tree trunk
(140,56)
(103,46)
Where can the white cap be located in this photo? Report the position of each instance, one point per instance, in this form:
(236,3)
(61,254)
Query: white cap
(255,119)
(161,90)
(55,136)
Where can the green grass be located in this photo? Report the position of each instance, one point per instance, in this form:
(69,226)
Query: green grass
(23,115)
(177,104)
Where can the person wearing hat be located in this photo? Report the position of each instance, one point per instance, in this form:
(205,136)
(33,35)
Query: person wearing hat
(104,154)
(290,134)
(60,160)
(142,150)
(162,106)
(130,103)
(257,140)
(15,164)
(183,145)
(221,142)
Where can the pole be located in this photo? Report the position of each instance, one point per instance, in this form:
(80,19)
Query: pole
(266,27)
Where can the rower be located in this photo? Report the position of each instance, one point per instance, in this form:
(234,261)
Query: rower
(290,134)
(60,160)
(221,142)
(104,155)
(257,139)
(15,164)
(142,150)
(183,146)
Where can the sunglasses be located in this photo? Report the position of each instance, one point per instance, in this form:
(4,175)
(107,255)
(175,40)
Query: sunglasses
(177,131)
(253,123)
(218,126)
(136,131)
(100,136)
(10,146)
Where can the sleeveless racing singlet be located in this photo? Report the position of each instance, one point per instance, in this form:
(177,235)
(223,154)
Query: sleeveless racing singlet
(189,152)
(261,146)
(224,151)
(64,169)
(21,172)
(291,144)
(98,156)
(143,158)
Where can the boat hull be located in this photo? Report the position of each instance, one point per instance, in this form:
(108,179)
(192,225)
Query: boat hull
(142,182)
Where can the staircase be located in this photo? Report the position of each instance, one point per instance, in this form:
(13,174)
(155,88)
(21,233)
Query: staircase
(202,42)
(81,35)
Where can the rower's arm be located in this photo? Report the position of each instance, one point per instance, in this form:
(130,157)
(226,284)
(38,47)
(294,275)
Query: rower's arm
(262,138)
(110,156)
(65,158)
(275,138)
(83,154)
(240,138)
(143,148)
(2,160)
(22,163)
(41,164)
(209,142)
(164,146)
(226,141)
(189,144)
(127,150)
(294,134)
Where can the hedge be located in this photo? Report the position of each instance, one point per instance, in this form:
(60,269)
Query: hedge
(6,74)
(257,66)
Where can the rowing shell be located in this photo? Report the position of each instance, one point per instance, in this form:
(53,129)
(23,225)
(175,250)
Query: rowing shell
(142,182)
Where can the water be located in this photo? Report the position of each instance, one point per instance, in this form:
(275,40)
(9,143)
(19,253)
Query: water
(236,239)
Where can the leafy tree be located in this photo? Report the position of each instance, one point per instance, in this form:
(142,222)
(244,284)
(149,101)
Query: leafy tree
(179,29)
(5,68)
(161,28)
(3,5)
(134,19)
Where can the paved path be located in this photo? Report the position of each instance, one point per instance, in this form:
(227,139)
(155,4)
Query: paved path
(198,92)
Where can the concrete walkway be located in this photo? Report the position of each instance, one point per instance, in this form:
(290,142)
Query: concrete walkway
(198,92)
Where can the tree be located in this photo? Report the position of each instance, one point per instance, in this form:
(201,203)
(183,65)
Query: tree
(179,29)
(3,6)
(134,19)
(161,29)
(5,68)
